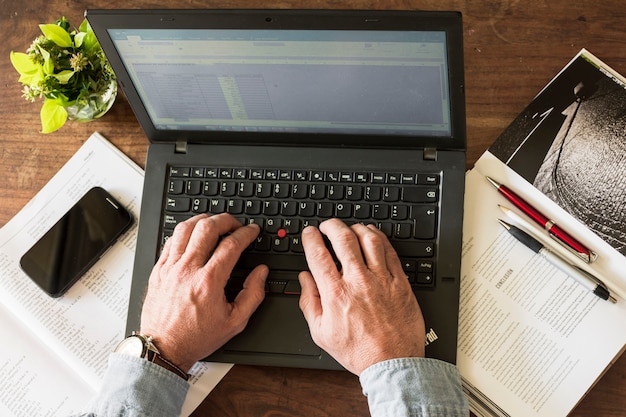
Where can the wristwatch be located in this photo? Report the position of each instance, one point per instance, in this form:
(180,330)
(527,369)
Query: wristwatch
(141,346)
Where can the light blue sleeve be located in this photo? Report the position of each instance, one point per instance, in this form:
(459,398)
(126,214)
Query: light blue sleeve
(134,387)
(416,387)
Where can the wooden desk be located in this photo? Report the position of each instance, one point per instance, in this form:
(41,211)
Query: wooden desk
(512,49)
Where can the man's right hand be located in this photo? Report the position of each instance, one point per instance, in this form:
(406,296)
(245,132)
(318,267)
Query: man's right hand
(366,312)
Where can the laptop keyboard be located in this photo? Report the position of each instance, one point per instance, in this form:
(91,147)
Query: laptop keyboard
(405,206)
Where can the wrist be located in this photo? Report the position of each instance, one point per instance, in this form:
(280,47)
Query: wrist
(142,346)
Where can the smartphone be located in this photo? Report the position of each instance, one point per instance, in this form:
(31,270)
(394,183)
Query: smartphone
(76,242)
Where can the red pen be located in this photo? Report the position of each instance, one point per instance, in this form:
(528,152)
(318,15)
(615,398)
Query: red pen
(552,228)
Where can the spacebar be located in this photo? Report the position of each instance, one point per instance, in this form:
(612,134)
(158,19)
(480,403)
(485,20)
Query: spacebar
(273,261)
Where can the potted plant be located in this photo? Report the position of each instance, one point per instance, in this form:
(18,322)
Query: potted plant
(68,70)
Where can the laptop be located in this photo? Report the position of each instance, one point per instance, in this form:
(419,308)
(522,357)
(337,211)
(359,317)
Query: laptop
(289,117)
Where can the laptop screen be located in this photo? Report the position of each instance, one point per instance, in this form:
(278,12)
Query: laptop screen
(353,82)
(295,77)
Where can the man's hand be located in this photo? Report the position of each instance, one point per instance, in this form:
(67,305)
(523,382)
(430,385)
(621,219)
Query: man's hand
(186,311)
(365,313)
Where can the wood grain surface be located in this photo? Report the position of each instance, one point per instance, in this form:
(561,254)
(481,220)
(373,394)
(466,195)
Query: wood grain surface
(512,49)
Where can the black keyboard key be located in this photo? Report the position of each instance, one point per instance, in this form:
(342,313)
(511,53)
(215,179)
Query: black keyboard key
(288,208)
(408,179)
(280,244)
(380,211)
(228,188)
(281,190)
(306,209)
(292,226)
(413,249)
(354,192)
(171,220)
(226,173)
(199,205)
(271,208)
(428,179)
(178,204)
(399,212)
(176,187)
(391,194)
(240,174)
(402,230)
(263,190)
(252,207)
(420,195)
(234,206)
(343,210)
(317,191)
(194,187)
(335,192)
(210,188)
(299,191)
(217,205)
(325,210)
(372,193)
(181,172)
(288,262)
(362,211)
(293,287)
(425,221)
(246,189)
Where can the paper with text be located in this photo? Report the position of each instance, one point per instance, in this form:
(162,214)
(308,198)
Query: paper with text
(56,350)
(531,339)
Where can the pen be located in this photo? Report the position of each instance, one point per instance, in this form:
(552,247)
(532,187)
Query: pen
(530,228)
(552,228)
(587,280)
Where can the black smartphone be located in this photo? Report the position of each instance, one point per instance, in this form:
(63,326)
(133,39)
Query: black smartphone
(76,242)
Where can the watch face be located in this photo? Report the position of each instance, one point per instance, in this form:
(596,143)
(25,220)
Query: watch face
(132,346)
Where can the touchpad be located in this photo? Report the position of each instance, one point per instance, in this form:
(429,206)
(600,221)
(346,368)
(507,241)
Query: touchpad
(277,326)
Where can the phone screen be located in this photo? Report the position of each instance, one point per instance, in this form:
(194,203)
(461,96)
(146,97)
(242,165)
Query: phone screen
(76,242)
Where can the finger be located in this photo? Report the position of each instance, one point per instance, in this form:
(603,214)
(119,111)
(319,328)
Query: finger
(345,244)
(373,249)
(180,238)
(310,302)
(164,253)
(250,297)
(319,259)
(228,251)
(392,261)
(205,236)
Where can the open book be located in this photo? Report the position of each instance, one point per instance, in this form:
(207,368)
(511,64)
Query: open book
(55,350)
(532,340)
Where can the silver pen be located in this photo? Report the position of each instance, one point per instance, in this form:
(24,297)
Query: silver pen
(587,280)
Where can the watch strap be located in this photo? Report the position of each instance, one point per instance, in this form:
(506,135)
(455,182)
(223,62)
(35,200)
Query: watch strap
(152,354)
(161,361)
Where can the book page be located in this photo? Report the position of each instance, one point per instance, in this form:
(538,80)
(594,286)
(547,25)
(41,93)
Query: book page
(34,382)
(85,324)
(531,338)
(70,338)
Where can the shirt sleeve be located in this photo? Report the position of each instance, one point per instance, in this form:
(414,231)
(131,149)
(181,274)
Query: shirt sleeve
(135,387)
(416,387)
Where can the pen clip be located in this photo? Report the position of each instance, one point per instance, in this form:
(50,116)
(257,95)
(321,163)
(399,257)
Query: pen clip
(588,258)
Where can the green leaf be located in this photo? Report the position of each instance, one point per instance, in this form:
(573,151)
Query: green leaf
(57,35)
(84,26)
(64,76)
(48,66)
(30,71)
(88,38)
(53,116)
(78,39)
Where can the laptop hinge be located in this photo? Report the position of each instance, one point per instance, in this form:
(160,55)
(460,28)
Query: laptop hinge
(181,146)
(430,154)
